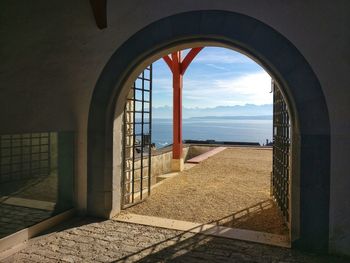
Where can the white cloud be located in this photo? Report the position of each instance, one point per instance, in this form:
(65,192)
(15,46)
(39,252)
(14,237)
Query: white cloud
(238,80)
(251,88)
(221,56)
(216,66)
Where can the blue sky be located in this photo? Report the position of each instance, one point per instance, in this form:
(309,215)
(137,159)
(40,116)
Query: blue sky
(216,77)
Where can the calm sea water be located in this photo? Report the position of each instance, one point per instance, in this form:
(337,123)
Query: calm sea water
(213,129)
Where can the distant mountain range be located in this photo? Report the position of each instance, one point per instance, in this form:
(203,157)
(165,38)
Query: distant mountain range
(238,112)
(257,117)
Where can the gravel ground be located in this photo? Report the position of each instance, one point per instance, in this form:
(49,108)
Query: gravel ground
(220,190)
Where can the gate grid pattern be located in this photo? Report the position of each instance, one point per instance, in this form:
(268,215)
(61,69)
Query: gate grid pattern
(281,152)
(24,156)
(136,183)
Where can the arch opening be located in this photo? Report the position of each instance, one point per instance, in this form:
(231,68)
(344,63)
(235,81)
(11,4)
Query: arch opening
(251,174)
(279,57)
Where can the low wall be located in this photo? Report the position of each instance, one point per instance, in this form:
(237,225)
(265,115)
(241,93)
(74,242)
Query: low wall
(198,149)
(161,162)
(161,158)
(195,150)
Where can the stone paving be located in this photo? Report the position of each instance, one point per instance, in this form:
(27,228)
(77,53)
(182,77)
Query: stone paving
(89,240)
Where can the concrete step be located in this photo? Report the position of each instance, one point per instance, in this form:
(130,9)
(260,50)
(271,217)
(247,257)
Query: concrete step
(206,155)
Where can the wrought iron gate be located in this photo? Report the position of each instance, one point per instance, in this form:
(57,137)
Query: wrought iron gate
(136,181)
(281,151)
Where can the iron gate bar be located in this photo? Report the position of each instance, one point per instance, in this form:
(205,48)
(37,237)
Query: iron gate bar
(140,148)
(137,122)
(146,90)
(150,131)
(124,152)
(139,111)
(133,144)
(143,78)
(143,97)
(136,180)
(281,152)
(138,100)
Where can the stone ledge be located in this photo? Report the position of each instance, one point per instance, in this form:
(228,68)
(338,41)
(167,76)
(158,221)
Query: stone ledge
(206,229)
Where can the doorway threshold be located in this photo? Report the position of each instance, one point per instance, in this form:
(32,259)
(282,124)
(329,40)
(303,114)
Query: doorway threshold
(206,229)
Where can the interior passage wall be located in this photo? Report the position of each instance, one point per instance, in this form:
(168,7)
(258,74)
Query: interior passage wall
(52,54)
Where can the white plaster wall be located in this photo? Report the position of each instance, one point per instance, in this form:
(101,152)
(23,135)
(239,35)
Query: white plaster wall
(52,54)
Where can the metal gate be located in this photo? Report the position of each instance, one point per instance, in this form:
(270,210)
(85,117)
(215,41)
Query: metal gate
(281,151)
(136,180)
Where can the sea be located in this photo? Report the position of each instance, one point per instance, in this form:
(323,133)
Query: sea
(219,129)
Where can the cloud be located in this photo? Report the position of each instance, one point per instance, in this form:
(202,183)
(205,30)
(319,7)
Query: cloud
(211,55)
(162,83)
(217,76)
(252,88)
(216,66)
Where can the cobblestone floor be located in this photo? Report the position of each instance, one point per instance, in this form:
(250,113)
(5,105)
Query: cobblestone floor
(87,240)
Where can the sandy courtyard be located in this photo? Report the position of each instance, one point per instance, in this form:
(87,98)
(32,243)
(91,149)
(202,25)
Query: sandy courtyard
(231,188)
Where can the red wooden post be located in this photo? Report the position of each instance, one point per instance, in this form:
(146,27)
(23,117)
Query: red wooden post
(178,68)
(177,105)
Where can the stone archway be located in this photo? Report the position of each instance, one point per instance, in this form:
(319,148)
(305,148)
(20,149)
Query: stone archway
(311,130)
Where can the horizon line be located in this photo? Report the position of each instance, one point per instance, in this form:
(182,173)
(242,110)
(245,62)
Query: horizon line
(199,108)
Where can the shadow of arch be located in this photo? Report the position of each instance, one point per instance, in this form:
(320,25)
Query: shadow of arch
(309,113)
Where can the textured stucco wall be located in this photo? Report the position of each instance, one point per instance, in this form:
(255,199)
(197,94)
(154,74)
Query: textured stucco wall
(52,54)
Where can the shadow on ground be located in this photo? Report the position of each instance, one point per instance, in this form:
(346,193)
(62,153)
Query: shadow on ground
(263,216)
(93,240)
(201,248)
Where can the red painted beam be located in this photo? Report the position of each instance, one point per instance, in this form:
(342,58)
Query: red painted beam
(177,105)
(169,62)
(178,68)
(189,58)
(177,115)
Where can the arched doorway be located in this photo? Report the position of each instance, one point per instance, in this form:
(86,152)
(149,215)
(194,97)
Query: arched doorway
(302,90)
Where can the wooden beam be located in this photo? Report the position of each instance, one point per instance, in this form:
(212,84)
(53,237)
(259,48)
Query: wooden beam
(99,8)
(178,69)
(168,60)
(189,57)
(176,58)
